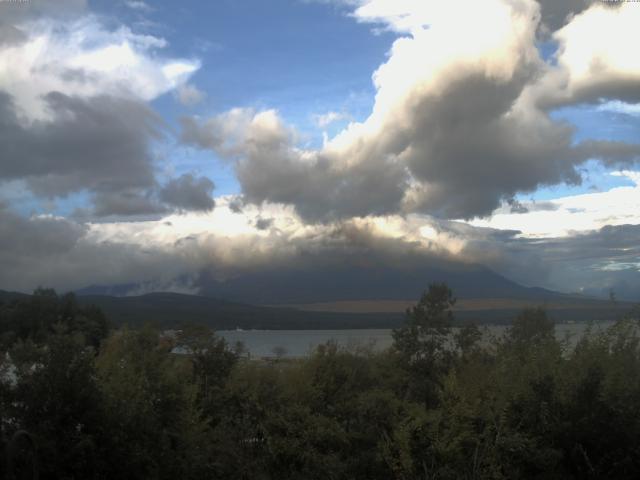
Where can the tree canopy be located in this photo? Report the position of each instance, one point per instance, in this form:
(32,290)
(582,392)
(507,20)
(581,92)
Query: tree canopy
(441,403)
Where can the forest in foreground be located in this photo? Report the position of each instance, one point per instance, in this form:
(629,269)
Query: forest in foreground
(79,400)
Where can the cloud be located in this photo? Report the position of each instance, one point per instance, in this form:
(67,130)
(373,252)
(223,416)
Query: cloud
(616,106)
(138,5)
(73,111)
(556,13)
(461,122)
(58,252)
(226,244)
(223,244)
(264,223)
(595,261)
(224,133)
(18,11)
(401,16)
(271,169)
(10,35)
(39,236)
(592,67)
(99,145)
(326,119)
(570,214)
(189,193)
(189,95)
(160,251)
(80,57)
(405,16)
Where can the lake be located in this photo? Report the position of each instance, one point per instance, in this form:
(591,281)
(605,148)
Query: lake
(299,343)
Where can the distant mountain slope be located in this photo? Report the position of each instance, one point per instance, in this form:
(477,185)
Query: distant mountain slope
(366,283)
(348,282)
(9,296)
(317,298)
(172,309)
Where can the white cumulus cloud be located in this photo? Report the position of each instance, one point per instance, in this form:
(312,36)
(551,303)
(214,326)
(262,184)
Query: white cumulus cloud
(83,58)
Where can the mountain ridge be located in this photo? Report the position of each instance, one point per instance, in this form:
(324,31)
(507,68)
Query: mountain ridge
(171,310)
(342,283)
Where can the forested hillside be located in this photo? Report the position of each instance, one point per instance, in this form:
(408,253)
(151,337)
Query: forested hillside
(100,403)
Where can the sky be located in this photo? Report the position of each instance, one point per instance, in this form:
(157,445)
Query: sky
(150,141)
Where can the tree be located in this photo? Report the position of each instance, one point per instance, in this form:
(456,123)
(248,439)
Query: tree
(45,313)
(531,328)
(156,429)
(57,400)
(467,338)
(422,343)
(212,362)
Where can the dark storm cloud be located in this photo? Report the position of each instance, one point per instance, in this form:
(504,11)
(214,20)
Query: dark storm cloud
(236,205)
(597,90)
(264,223)
(466,147)
(193,133)
(270,168)
(99,145)
(59,252)
(189,193)
(472,153)
(555,13)
(612,154)
(318,191)
(38,237)
(516,206)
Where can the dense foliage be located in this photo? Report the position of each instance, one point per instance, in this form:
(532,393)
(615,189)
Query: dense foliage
(438,404)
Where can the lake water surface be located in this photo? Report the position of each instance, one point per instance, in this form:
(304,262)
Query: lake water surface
(299,343)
